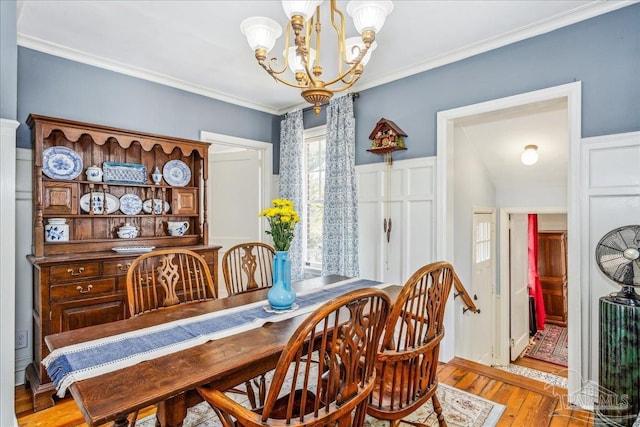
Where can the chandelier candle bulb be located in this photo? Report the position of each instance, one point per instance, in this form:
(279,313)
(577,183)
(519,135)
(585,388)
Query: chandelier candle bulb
(303,32)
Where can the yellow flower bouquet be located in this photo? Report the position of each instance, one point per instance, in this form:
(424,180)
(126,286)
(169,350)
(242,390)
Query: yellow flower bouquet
(282,218)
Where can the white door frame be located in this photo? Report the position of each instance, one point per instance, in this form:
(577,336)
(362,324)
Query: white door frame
(267,162)
(444,237)
(503,328)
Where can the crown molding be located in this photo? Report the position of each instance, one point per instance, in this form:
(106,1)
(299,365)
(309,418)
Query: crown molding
(578,14)
(129,70)
(574,16)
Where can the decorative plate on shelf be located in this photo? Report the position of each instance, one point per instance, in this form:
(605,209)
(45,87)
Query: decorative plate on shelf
(157,206)
(130,204)
(132,249)
(61,163)
(176,173)
(98,200)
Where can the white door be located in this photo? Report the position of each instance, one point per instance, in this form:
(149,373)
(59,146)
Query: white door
(518,282)
(482,285)
(235,197)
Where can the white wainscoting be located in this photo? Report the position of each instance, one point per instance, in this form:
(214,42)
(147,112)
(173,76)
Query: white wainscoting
(610,184)
(24,278)
(7,267)
(412,207)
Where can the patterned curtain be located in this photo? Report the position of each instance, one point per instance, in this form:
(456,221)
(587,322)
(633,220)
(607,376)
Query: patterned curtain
(340,217)
(291,179)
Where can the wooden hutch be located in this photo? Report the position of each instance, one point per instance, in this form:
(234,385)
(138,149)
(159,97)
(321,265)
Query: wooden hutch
(81,281)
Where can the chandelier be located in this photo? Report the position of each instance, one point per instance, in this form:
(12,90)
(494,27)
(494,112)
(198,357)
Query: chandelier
(302,56)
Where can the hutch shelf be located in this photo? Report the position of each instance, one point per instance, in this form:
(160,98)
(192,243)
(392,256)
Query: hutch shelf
(80,280)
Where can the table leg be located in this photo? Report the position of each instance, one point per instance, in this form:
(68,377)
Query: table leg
(171,412)
(121,422)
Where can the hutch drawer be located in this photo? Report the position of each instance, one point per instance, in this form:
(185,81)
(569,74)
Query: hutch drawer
(67,272)
(82,289)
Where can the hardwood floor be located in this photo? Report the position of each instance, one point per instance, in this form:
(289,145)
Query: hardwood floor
(527,401)
(543,366)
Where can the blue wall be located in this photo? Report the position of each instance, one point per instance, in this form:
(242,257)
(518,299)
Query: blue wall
(602,52)
(8,60)
(53,86)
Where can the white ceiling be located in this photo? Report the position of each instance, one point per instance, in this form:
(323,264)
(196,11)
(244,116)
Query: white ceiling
(197,45)
(499,137)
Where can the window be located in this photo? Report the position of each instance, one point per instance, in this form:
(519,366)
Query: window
(483,242)
(313,195)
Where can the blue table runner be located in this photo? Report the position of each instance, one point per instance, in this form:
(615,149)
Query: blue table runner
(89,359)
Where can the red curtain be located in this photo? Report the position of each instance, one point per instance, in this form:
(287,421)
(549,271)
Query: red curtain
(534,278)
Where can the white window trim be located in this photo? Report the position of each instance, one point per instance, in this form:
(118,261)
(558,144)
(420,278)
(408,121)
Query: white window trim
(308,134)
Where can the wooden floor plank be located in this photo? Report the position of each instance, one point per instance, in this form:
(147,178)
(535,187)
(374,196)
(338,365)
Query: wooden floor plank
(540,365)
(525,404)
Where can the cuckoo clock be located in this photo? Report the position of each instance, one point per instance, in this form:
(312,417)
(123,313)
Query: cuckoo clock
(386,137)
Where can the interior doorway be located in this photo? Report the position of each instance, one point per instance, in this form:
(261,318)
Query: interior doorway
(446,218)
(239,175)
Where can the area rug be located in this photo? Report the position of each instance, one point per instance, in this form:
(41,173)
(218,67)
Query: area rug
(545,377)
(460,409)
(549,345)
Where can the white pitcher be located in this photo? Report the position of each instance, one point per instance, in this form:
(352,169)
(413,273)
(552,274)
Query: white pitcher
(177,228)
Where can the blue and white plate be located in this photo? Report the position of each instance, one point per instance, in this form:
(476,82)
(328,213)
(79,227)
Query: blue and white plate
(97,201)
(176,173)
(132,249)
(130,204)
(61,163)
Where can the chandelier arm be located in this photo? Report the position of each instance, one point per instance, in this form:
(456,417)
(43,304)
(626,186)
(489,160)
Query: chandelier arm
(318,28)
(342,56)
(310,75)
(343,87)
(352,69)
(281,80)
(269,68)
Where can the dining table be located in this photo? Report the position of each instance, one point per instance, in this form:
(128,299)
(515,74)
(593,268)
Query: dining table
(169,380)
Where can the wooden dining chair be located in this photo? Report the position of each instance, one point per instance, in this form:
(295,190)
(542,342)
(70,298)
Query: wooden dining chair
(247,267)
(167,277)
(408,359)
(325,372)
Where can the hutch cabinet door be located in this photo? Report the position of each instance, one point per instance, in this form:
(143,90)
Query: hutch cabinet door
(79,314)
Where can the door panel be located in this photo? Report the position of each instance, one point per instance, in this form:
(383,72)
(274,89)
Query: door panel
(235,192)
(235,182)
(482,285)
(519,288)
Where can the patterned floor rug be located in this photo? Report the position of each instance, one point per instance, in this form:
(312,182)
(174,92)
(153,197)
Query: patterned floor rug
(549,345)
(545,377)
(460,409)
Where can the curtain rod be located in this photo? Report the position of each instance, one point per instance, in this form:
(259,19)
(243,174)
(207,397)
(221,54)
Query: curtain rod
(353,95)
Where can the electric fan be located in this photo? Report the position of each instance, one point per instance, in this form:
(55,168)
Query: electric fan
(618,256)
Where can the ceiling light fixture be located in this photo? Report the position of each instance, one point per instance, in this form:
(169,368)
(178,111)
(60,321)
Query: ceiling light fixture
(303,60)
(529,155)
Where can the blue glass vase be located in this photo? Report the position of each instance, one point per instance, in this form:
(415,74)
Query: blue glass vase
(281,296)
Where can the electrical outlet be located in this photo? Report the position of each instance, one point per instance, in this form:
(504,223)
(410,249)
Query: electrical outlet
(21,339)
